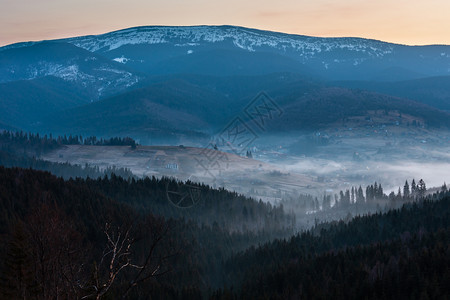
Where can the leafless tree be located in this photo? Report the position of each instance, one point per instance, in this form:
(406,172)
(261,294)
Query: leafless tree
(118,257)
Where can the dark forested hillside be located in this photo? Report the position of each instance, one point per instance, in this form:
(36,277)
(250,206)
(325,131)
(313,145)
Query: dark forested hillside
(225,209)
(414,267)
(433,91)
(323,107)
(27,102)
(76,217)
(197,106)
(400,254)
(60,238)
(159,109)
(53,233)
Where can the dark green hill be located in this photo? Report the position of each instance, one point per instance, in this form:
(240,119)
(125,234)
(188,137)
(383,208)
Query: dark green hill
(159,110)
(323,107)
(433,91)
(195,106)
(25,103)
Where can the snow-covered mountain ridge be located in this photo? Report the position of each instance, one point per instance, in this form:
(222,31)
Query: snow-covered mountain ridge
(244,38)
(232,50)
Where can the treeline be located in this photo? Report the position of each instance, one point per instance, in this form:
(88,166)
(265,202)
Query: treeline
(65,170)
(375,192)
(114,141)
(351,202)
(401,254)
(27,143)
(36,144)
(213,207)
(19,149)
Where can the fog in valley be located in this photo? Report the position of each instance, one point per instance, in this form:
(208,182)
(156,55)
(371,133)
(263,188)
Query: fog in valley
(291,170)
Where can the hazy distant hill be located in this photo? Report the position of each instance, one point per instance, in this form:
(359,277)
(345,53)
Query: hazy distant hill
(25,103)
(5,127)
(157,110)
(202,105)
(325,106)
(434,91)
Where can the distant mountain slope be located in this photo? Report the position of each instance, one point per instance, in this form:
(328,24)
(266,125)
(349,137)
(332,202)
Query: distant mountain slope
(434,91)
(396,74)
(94,75)
(239,90)
(157,111)
(329,57)
(226,62)
(200,106)
(239,50)
(6,127)
(26,102)
(327,105)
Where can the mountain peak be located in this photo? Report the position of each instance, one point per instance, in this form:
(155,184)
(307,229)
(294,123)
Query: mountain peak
(232,50)
(241,37)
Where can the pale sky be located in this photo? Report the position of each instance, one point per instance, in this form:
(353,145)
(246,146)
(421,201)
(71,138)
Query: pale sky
(413,22)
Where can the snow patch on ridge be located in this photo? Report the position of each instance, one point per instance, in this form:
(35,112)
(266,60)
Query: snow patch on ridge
(122,60)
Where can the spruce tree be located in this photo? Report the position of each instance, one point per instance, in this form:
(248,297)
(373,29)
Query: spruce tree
(360,195)
(406,192)
(380,192)
(421,188)
(347,197)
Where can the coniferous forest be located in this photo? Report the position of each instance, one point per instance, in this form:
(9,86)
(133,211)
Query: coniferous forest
(83,233)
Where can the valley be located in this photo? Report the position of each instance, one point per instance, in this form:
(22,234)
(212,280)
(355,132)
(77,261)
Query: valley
(216,168)
(285,165)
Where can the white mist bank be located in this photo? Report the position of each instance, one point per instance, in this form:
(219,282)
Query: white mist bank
(391,175)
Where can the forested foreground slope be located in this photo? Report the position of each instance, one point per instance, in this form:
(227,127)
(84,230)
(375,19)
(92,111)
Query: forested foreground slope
(59,238)
(401,254)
